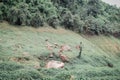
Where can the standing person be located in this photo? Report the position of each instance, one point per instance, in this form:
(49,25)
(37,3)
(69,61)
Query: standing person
(80,48)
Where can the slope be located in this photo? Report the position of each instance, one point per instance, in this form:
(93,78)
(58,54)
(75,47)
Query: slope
(23,55)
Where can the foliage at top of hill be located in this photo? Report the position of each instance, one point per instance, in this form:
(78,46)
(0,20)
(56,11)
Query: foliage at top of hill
(83,16)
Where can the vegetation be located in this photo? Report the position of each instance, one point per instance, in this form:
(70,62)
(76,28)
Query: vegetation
(83,16)
(23,54)
(23,48)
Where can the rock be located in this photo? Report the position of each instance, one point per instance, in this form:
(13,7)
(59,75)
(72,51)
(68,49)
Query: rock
(54,64)
(66,48)
(64,58)
(110,65)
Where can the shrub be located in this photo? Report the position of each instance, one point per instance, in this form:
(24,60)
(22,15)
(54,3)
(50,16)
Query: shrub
(63,76)
(23,74)
(3,11)
(14,71)
(37,20)
(94,25)
(19,14)
(9,66)
(47,9)
(67,19)
(78,24)
(1,18)
(13,12)
(53,21)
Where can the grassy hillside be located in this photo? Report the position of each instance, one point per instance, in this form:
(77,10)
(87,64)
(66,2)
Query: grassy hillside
(23,48)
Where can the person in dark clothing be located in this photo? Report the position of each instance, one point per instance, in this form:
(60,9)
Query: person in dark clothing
(80,48)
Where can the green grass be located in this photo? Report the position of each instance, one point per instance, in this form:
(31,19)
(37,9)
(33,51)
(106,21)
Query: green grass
(21,48)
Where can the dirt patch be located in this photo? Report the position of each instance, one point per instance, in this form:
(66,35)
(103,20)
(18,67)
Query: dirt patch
(19,59)
(26,61)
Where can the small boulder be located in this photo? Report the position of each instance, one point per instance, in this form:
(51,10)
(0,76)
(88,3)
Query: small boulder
(54,64)
(64,58)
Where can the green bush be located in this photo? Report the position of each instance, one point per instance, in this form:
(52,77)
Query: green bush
(21,75)
(95,26)
(3,11)
(47,9)
(9,66)
(53,21)
(37,20)
(67,19)
(78,24)
(63,76)
(19,14)
(14,71)
(1,18)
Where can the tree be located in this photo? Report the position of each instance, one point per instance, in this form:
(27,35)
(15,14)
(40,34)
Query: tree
(94,7)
